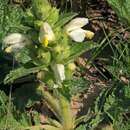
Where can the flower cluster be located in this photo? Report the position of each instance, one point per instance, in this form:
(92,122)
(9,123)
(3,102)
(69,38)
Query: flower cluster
(73,29)
(52,44)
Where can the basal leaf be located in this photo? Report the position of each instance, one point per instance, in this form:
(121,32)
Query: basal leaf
(10,123)
(15,121)
(10,118)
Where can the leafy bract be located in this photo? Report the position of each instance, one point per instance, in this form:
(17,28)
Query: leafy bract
(23,56)
(78,49)
(43,11)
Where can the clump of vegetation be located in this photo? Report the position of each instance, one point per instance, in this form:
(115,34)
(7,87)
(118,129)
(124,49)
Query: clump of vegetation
(40,46)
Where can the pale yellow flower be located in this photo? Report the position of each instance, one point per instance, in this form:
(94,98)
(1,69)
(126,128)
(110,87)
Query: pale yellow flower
(15,41)
(46,34)
(75,31)
(59,71)
(8,49)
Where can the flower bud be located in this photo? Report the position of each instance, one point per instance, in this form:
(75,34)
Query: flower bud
(71,66)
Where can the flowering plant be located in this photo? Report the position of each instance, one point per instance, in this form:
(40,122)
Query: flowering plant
(48,49)
(52,42)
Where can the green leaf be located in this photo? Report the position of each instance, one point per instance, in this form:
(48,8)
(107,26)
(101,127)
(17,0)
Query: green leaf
(71,87)
(23,118)
(67,116)
(122,8)
(11,122)
(53,16)
(21,72)
(64,18)
(54,122)
(40,9)
(77,49)
(3,103)
(44,12)
(96,121)
(23,56)
(51,101)
(10,118)
(10,18)
(81,127)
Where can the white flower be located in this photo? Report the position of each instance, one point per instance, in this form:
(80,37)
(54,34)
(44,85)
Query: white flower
(75,31)
(15,41)
(46,34)
(59,72)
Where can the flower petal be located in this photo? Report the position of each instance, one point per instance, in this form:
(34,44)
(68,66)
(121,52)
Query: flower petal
(59,72)
(15,41)
(76,23)
(16,38)
(46,30)
(8,49)
(77,35)
(89,34)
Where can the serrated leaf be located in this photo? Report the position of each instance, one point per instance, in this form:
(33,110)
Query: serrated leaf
(3,103)
(122,8)
(40,9)
(71,87)
(77,49)
(9,122)
(44,12)
(53,16)
(9,117)
(23,56)
(21,72)
(64,18)
(10,18)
